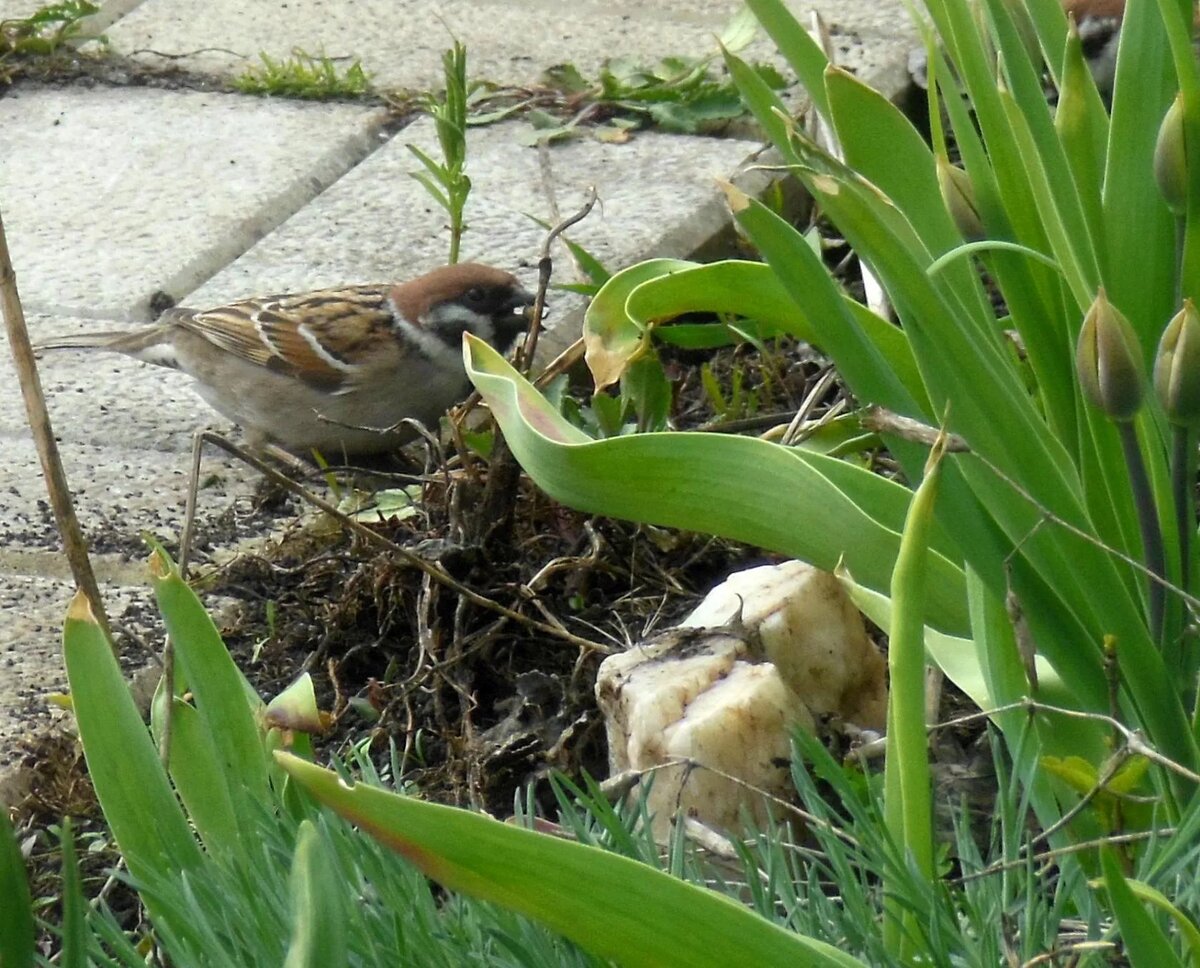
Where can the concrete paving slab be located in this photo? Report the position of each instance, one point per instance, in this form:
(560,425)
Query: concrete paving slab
(19,9)
(106,398)
(509,41)
(111,195)
(658,195)
(109,11)
(31,665)
(119,495)
(124,432)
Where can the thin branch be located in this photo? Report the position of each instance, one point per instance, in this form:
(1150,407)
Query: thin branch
(43,437)
(434,570)
(545,264)
(885,421)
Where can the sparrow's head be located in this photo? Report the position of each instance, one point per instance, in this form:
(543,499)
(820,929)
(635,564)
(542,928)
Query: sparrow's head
(468,297)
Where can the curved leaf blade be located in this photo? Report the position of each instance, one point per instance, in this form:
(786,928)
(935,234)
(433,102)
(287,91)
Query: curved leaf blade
(611,905)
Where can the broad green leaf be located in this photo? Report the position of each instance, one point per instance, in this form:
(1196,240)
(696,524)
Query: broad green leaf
(872,355)
(1187,927)
(908,800)
(815,508)
(223,697)
(1082,125)
(133,790)
(1139,229)
(611,905)
(611,339)
(318,921)
(766,106)
(198,776)
(801,52)
(1075,771)
(1145,943)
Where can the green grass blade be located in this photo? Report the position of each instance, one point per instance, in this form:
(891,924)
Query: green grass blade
(16,914)
(221,691)
(133,790)
(611,905)
(1145,943)
(74,907)
(700,482)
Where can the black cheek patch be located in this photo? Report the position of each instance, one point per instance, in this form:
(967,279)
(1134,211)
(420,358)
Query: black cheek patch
(451,334)
(507,328)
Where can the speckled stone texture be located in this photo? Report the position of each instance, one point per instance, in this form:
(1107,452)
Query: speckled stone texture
(400,41)
(31,665)
(110,195)
(125,434)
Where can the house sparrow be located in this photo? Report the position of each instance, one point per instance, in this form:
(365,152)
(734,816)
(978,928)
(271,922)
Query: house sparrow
(362,357)
(1099,26)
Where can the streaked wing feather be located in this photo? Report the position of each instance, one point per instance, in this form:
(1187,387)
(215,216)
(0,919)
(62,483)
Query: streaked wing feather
(312,336)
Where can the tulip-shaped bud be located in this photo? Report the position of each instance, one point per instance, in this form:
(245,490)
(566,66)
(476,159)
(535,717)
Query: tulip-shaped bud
(1177,368)
(958,194)
(1109,362)
(1170,159)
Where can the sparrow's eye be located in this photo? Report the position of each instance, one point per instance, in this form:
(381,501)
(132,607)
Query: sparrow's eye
(476,295)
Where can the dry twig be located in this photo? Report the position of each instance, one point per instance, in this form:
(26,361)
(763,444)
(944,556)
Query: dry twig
(43,437)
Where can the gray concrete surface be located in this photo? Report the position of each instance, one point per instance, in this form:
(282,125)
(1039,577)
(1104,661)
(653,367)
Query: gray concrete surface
(155,190)
(510,41)
(113,193)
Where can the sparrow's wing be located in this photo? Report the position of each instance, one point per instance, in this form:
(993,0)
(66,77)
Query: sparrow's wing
(322,338)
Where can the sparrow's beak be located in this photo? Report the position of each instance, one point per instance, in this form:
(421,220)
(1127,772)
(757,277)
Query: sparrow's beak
(514,320)
(521,299)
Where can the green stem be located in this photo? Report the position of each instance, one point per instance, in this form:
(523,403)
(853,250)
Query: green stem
(908,806)
(1152,543)
(1181,478)
(1180,239)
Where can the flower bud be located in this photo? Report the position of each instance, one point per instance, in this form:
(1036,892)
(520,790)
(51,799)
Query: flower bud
(1108,361)
(1170,158)
(958,194)
(1177,368)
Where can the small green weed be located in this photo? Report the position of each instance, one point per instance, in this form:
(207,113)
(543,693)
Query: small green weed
(678,94)
(304,75)
(41,33)
(741,401)
(447,181)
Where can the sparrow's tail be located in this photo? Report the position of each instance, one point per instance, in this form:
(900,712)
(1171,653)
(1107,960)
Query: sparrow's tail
(148,345)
